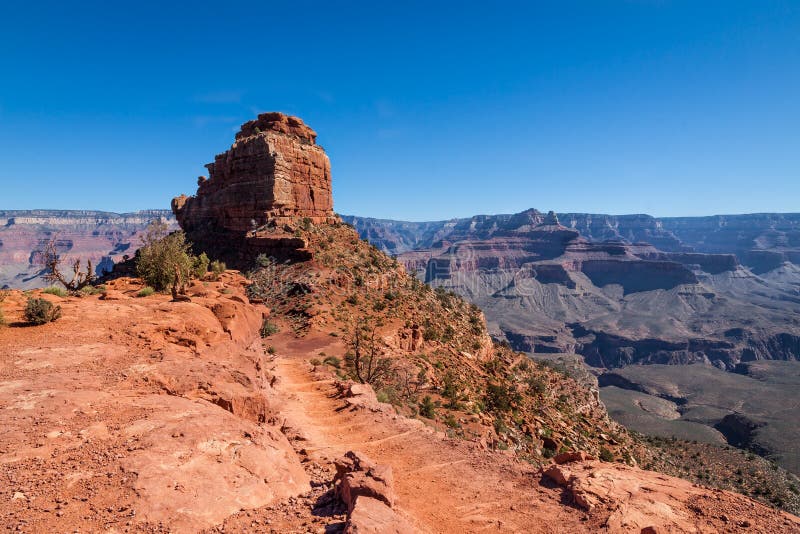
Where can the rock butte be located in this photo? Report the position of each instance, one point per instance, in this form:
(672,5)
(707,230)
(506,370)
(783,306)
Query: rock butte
(273,177)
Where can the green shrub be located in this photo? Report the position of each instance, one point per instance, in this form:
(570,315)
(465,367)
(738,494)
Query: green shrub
(200,265)
(268,328)
(92,290)
(160,253)
(262,260)
(606,455)
(537,385)
(145,292)
(430,334)
(382,396)
(500,397)
(450,386)
(55,290)
(450,421)
(39,311)
(217,268)
(427,408)
(448,334)
(271,350)
(500,426)
(315,362)
(333,361)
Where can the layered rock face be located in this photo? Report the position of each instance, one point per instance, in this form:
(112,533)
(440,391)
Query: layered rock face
(546,287)
(761,241)
(536,246)
(274,175)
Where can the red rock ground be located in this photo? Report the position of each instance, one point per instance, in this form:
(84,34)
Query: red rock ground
(143,415)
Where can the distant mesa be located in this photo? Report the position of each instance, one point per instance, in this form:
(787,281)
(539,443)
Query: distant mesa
(273,178)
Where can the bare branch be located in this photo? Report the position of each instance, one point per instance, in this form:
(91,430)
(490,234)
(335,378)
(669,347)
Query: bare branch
(51,261)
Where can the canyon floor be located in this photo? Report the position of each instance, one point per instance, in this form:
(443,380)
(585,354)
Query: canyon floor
(145,415)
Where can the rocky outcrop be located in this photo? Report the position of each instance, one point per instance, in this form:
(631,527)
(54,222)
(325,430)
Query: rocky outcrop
(367,491)
(157,412)
(709,263)
(274,175)
(631,500)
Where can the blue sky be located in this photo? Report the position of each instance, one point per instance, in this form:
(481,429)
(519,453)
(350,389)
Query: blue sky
(427,110)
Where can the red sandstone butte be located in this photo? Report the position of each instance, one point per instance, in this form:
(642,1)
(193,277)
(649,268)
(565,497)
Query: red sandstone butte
(273,175)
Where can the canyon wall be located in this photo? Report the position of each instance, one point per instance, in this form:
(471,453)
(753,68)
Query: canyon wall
(761,241)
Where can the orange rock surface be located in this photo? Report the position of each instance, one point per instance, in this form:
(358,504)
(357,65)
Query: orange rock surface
(155,416)
(139,411)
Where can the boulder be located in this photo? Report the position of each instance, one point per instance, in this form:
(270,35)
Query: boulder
(574,456)
(372,516)
(366,488)
(357,476)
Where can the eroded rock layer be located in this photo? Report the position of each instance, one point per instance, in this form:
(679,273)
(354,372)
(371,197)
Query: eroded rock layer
(273,175)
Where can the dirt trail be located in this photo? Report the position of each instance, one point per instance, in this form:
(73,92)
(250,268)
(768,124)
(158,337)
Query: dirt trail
(442,485)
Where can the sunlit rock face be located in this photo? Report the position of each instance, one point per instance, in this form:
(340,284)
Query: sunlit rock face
(274,175)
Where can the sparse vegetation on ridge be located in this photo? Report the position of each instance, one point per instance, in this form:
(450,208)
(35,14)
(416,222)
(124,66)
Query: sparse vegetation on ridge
(92,290)
(55,290)
(165,260)
(145,292)
(268,328)
(217,268)
(162,255)
(200,265)
(724,467)
(427,351)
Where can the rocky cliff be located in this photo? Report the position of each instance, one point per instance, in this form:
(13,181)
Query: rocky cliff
(761,241)
(615,302)
(273,176)
(676,304)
